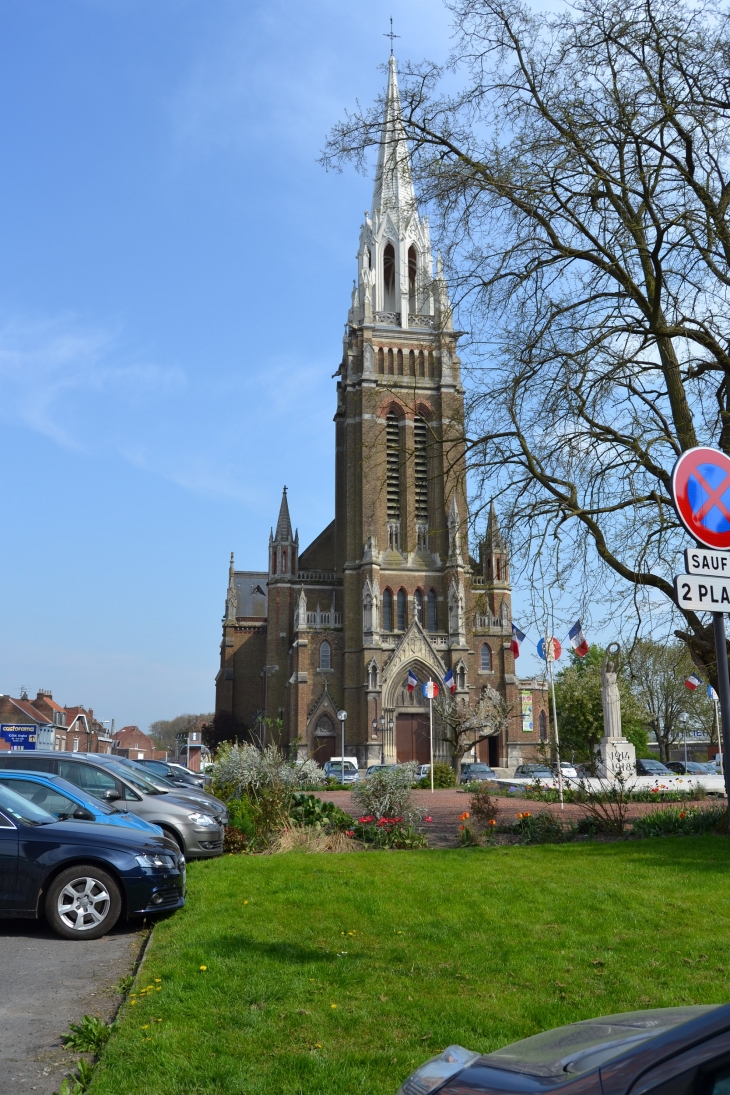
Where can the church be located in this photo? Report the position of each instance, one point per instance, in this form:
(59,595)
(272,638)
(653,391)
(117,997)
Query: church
(389,588)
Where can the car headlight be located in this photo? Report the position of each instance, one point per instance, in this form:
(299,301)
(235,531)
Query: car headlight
(157,862)
(438,1070)
(203,821)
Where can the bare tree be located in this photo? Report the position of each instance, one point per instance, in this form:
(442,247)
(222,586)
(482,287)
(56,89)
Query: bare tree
(464,727)
(580,179)
(658,673)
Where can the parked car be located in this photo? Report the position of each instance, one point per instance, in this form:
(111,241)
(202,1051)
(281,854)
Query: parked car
(476,773)
(380,768)
(646,767)
(196,831)
(534,772)
(691,768)
(175,773)
(59,797)
(422,771)
(333,769)
(192,794)
(81,876)
(568,770)
(664,1051)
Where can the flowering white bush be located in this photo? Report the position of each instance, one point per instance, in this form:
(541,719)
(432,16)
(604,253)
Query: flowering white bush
(387,793)
(245,770)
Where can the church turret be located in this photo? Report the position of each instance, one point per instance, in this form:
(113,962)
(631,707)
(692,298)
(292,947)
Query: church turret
(283,545)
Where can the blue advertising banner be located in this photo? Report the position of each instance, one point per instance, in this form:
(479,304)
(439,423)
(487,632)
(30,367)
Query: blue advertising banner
(18,737)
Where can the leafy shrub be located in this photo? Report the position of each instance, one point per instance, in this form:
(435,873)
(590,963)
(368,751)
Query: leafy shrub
(672,819)
(388,832)
(311,811)
(443,776)
(540,828)
(241,817)
(483,808)
(387,794)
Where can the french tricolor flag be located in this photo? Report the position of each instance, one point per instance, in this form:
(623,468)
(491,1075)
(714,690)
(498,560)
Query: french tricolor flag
(412,680)
(578,640)
(517,638)
(450,682)
(693,681)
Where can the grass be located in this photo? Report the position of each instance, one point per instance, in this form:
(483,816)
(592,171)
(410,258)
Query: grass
(315,974)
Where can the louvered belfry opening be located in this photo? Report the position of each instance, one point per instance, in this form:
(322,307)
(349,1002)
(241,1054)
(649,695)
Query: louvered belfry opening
(392,450)
(420,461)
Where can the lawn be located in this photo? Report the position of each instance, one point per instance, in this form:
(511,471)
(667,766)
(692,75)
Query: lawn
(333,974)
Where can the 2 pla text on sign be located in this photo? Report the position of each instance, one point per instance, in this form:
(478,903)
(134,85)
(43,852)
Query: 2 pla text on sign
(702,594)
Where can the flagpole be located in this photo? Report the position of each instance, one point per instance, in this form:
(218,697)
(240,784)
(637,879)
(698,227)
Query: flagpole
(549,649)
(430,727)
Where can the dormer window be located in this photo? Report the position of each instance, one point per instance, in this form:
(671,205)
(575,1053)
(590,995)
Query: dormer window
(389,278)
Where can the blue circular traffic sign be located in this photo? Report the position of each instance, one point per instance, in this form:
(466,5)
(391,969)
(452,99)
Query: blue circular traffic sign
(701,489)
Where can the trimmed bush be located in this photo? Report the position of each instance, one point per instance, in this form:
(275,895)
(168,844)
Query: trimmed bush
(443,776)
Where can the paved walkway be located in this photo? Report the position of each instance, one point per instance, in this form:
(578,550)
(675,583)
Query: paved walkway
(445,806)
(46,983)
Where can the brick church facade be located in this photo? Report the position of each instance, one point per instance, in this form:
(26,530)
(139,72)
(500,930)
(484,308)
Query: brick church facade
(389,586)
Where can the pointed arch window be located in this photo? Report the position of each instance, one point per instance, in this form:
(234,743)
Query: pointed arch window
(461,677)
(420,467)
(387,610)
(432,610)
(325,656)
(390,362)
(399,363)
(381,360)
(411,362)
(401,603)
(418,606)
(392,463)
(485,658)
(389,278)
(412,278)
(421,364)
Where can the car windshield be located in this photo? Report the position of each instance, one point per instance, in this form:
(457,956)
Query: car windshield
(18,808)
(583,1046)
(138,781)
(143,772)
(479,768)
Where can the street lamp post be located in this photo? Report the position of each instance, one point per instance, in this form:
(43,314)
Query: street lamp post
(382,738)
(342,715)
(684,719)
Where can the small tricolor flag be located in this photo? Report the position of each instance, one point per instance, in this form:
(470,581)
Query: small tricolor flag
(449,681)
(412,680)
(517,638)
(578,640)
(430,690)
(693,681)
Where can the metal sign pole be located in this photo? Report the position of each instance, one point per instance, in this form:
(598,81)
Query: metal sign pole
(717,734)
(430,732)
(555,724)
(723,688)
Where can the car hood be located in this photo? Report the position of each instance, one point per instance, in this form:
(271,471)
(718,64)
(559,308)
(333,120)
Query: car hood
(134,841)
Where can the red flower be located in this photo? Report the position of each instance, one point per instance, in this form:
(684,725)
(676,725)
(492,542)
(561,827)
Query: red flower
(492,821)
(655,790)
(365,820)
(428,819)
(462,827)
(463,817)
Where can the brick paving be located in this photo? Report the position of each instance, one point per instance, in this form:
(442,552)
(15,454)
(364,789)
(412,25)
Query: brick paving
(446,805)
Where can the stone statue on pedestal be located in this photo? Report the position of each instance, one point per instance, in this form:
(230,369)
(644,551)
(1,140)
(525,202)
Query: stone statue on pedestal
(618,755)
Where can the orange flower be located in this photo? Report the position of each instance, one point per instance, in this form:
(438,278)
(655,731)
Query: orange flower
(492,821)
(463,817)
(682,815)
(461,828)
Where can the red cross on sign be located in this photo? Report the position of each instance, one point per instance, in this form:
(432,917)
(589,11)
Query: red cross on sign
(701,489)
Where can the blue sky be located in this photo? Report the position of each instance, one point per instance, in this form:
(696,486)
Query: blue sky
(175,271)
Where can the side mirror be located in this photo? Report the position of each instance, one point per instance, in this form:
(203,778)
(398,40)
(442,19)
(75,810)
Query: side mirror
(80,814)
(112,796)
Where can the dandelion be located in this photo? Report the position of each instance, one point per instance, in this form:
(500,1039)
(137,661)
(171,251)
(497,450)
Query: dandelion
(333,1005)
(158,980)
(317,1045)
(463,817)
(132,1002)
(146,1026)
(159,988)
(245,902)
(203,967)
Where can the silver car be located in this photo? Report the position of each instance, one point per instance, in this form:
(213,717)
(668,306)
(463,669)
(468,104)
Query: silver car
(195,794)
(193,827)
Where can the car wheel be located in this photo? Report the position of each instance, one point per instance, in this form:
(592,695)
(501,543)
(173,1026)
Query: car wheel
(83,902)
(174,836)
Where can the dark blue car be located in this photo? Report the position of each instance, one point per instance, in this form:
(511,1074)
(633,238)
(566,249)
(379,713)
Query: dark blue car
(82,877)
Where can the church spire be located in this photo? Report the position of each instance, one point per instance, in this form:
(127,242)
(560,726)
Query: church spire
(393,188)
(283,525)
